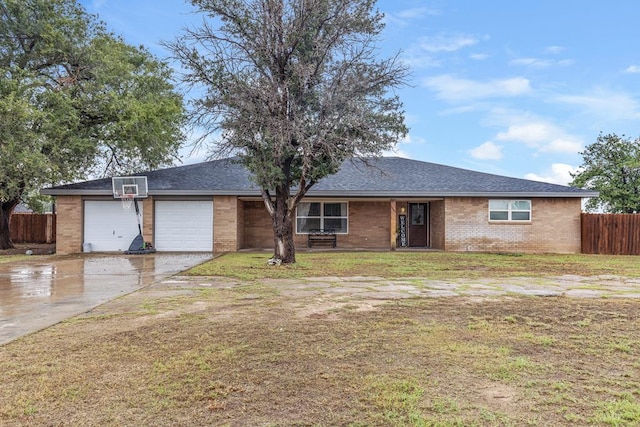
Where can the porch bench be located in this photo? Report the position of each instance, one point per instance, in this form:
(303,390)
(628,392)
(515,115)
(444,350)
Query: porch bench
(326,236)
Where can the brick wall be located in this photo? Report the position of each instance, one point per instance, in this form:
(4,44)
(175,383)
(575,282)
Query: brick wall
(69,225)
(554,227)
(239,219)
(457,224)
(437,223)
(148,207)
(369,226)
(256,222)
(225,224)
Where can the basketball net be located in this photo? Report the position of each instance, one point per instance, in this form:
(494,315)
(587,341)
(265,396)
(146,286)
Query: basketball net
(127,201)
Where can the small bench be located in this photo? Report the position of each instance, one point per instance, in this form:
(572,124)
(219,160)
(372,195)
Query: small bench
(327,236)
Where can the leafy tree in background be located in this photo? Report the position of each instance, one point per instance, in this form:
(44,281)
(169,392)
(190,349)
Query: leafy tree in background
(293,88)
(612,167)
(76,101)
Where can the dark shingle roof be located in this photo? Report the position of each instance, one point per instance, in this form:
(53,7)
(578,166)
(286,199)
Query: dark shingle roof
(385,177)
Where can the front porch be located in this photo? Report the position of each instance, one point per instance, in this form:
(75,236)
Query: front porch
(372,224)
(418,224)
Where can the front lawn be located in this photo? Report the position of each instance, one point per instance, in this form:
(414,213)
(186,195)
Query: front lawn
(322,352)
(433,265)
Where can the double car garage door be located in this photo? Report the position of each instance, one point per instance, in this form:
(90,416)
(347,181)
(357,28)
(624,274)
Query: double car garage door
(183,226)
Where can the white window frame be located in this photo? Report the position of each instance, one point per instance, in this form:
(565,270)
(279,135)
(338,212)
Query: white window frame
(322,217)
(510,210)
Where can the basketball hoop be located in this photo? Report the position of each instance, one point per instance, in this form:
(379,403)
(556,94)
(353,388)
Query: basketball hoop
(127,201)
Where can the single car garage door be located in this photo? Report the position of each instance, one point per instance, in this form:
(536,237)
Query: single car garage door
(184,226)
(108,227)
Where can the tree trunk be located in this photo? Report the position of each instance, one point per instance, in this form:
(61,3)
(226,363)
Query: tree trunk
(284,247)
(6,208)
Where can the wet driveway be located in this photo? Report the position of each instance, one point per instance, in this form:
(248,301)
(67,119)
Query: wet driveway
(39,292)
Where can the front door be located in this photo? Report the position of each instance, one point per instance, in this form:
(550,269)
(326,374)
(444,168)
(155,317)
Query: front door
(418,225)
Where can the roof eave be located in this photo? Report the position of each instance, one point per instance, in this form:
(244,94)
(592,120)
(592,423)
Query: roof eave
(342,194)
(77,192)
(414,194)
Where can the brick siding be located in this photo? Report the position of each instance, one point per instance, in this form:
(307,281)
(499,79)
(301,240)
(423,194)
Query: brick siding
(554,227)
(225,224)
(69,225)
(256,223)
(148,207)
(457,224)
(437,223)
(369,226)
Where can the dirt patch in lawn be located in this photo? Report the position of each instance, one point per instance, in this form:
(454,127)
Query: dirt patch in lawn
(223,352)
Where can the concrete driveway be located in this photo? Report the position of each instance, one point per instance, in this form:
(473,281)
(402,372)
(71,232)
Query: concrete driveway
(40,292)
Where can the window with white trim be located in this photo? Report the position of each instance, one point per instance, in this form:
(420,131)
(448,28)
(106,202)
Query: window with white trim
(322,216)
(510,210)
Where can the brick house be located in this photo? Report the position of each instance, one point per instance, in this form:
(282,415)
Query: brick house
(388,203)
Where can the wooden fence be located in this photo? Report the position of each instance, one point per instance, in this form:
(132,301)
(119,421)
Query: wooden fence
(614,234)
(33,228)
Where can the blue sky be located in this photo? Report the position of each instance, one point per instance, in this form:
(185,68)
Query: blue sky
(516,88)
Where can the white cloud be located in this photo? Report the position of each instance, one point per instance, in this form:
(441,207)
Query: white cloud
(478,56)
(530,133)
(398,150)
(403,17)
(632,69)
(487,151)
(415,59)
(604,104)
(558,174)
(409,139)
(554,49)
(416,13)
(429,51)
(531,62)
(540,62)
(446,42)
(453,89)
(563,145)
(542,136)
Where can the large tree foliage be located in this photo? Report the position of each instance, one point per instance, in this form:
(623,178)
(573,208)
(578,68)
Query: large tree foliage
(76,101)
(294,88)
(612,167)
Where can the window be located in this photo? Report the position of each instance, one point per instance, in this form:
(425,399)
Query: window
(417,214)
(322,215)
(509,210)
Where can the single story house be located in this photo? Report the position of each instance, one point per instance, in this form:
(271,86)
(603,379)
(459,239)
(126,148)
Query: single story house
(387,203)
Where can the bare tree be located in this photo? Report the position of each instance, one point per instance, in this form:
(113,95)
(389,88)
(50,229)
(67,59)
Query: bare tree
(293,88)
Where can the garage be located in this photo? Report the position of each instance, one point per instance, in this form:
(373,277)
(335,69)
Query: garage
(108,227)
(184,226)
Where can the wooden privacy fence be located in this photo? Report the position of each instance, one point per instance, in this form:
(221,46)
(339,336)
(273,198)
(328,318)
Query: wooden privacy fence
(614,234)
(33,228)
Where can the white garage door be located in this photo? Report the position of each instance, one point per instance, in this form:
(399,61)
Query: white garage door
(184,226)
(108,227)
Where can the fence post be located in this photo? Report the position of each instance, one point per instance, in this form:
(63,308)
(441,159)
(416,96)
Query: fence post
(49,231)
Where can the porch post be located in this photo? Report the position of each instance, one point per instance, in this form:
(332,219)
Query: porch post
(394,225)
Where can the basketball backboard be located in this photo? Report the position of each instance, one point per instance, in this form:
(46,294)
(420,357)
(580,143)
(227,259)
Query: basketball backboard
(129,186)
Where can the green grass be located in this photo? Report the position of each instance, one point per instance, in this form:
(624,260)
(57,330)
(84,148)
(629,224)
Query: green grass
(398,401)
(618,413)
(422,362)
(434,265)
